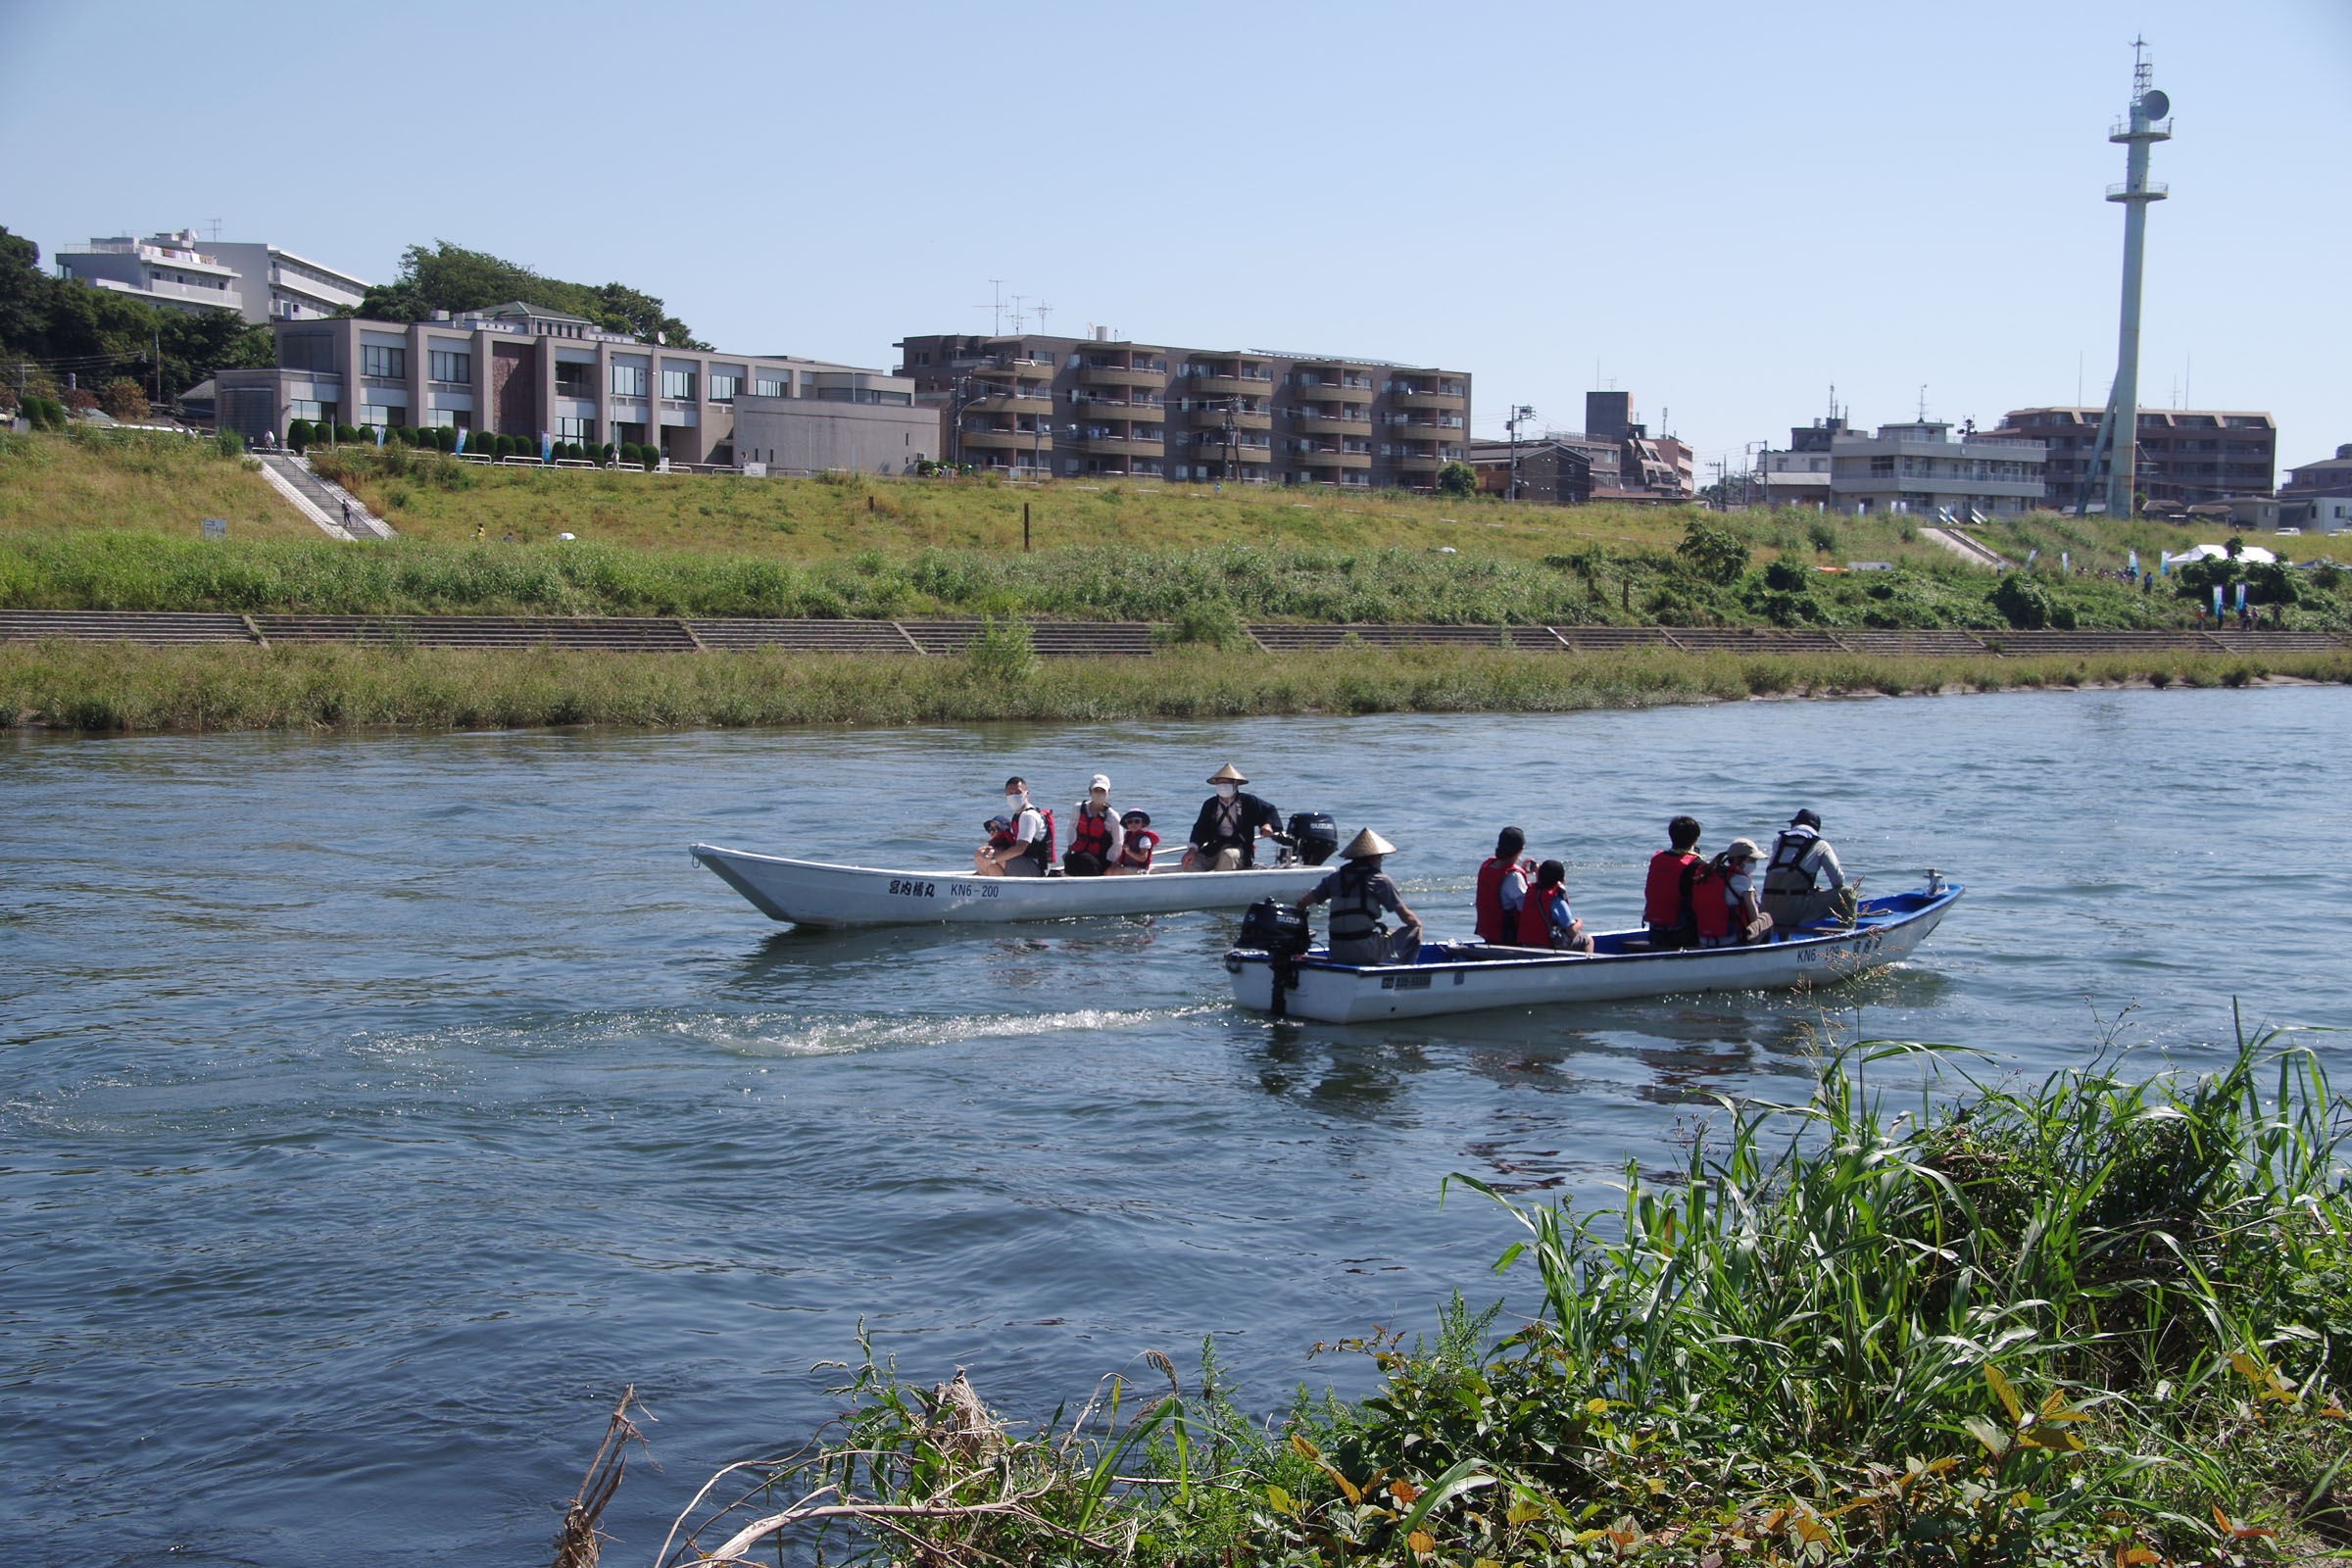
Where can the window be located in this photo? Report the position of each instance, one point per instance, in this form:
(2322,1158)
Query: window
(389,362)
(1881,467)
(582,431)
(575,380)
(446,365)
(371,414)
(630,380)
(724,387)
(771,387)
(306,351)
(679,385)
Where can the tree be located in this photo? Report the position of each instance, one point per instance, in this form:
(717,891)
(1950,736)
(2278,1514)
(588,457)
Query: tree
(124,399)
(450,277)
(1717,555)
(1458,479)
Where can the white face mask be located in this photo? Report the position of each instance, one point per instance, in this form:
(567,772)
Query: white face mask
(1014,803)
(1228,791)
(1100,798)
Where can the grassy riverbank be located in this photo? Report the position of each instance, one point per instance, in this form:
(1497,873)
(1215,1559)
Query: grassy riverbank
(130,688)
(2089,1321)
(100,522)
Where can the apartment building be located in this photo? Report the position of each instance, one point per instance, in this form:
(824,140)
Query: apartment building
(169,271)
(179,272)
(1917,468)
(281,286)
(519,370)
(1101,407)
(2318,496)
(2186,455)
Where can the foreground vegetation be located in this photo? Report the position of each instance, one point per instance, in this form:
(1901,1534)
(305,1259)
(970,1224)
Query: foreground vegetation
(2088,1321)
(122,687)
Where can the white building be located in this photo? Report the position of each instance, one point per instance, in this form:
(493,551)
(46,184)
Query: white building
(281,286)
(1917,468)
(166,269)
(177,270)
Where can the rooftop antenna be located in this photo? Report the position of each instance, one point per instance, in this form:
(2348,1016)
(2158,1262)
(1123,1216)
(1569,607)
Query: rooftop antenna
(1923,401)
(1042,311)
(1833,402)
(2118,447)
(996,325)
(214,225)
(1019,316)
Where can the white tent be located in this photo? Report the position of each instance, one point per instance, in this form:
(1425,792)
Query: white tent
(2253,552)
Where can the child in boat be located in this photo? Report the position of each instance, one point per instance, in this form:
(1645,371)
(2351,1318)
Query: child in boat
(1545,918)
(1137,841)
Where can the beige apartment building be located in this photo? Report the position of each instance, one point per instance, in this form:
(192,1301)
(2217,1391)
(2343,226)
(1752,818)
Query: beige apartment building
(522,371)
(1101,407)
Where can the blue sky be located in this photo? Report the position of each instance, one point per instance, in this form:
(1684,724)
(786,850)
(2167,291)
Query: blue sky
(1723,208)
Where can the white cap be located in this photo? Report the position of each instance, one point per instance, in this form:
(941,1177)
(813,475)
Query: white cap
(1101,781)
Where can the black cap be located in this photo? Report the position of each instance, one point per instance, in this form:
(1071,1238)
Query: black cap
(1806,818)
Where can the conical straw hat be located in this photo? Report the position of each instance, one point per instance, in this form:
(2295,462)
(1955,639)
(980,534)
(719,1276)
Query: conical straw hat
(1366,843)
(1228,775)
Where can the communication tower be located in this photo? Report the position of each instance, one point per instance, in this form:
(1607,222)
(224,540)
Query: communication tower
(2116,455)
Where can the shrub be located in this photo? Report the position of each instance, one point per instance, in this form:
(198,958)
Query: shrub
(1458,479)
(445,437)
(230,444)
(1210,621)
(298,435)
(1005,652)
(78,398)
(124,399)
(1824,538)
(2021,604)
(1716,555)
(1781,577)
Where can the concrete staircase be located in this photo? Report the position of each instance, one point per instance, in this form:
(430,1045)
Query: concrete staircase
(319,499)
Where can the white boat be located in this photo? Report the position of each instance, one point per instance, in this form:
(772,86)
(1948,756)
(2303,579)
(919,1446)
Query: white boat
(1460,977)
(814,893)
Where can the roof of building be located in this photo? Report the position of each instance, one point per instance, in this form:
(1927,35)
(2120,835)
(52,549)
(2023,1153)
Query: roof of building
(537,312)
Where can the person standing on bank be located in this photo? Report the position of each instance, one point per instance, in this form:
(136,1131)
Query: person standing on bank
(1225,835)
(1502,890)
(1666,906)
(1031,848)
(1800,859)
(1358,891)
(1095,832)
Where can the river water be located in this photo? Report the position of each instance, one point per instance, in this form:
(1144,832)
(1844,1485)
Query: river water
(371,1109)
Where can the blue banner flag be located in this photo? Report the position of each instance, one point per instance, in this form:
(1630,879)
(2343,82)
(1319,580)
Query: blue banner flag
(2030,554)
(547,447)
(461,446)
(2134,562)
(2066,561)
(2241,597)
(2216,600)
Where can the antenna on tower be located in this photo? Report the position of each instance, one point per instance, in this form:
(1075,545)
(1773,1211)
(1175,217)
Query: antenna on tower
(1833,402)
(1923,401)
(2114,466)
(214,225)
(996,306)
(1042,311)
(1019,316)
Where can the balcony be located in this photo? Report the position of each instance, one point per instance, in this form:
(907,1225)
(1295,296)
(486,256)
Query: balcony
(1121,375)
(1104,409)
(1450,403)
(1214,419)
(1247,386)
(1008,440)
(1405,464)
(1012,403)
(1320,425)
(1332,459)
(1111,445)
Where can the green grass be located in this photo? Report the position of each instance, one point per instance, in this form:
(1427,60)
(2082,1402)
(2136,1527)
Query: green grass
(2101,1319)
(135,482)
(95,521)
(94,686)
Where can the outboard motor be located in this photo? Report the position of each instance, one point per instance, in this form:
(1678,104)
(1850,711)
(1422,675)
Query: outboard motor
(1314,836)
(1282,933)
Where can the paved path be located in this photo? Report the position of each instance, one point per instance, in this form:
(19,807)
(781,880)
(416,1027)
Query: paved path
(1096,639)
(332,508)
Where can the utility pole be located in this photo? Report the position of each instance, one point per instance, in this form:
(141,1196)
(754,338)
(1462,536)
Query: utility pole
(2149,123)
(1520,414)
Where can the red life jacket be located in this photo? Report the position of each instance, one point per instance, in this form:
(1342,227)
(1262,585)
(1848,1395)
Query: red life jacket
(1493,920)
(1667,900)
(1535,917)
(1091,835)
(1001,841)
(1709,902)
(1047,818)
(1136,851)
